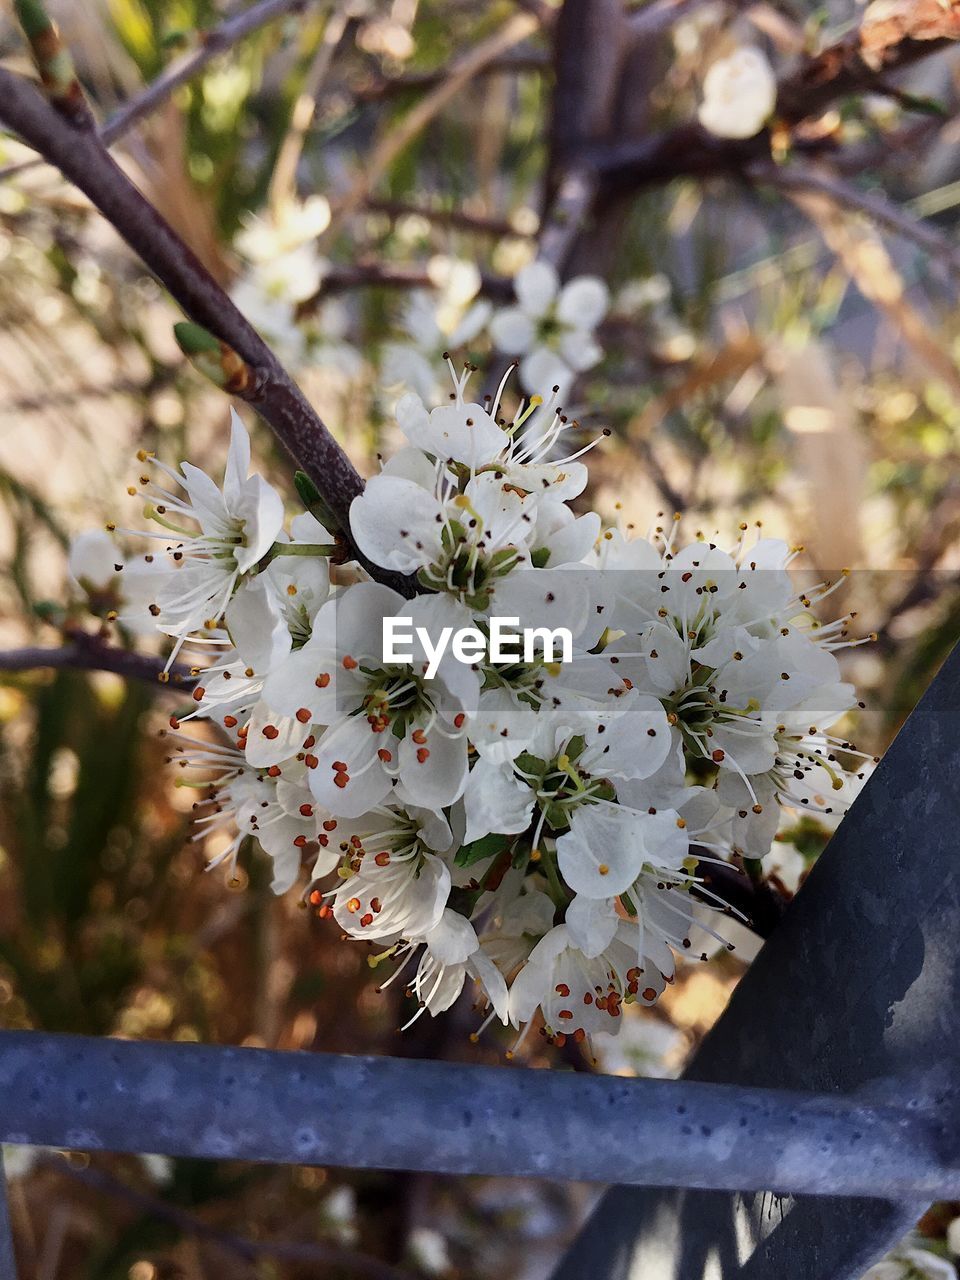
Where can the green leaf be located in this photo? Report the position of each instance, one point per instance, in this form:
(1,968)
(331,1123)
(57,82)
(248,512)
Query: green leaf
(478,850)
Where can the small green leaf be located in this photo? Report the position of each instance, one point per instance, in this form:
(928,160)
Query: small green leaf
(478,850)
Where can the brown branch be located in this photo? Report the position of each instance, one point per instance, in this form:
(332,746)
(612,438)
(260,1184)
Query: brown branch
(81,156)
(458,218)
(380,275)
(86,653)
(419,81)
(210,45)
(860,63)
(908,31)
(874,204)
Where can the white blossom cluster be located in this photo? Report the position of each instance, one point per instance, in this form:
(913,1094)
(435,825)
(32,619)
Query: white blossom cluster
(538,827)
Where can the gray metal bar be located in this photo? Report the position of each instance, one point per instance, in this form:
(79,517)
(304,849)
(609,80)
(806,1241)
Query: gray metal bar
(389,1113)
(859,984)
(8,1263)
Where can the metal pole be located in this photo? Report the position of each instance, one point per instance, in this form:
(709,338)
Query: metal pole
(8,1263)
(859,988)
(388,1113)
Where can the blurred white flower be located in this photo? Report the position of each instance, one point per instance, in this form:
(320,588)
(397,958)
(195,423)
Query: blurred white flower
(641,295)
(551,327)
(18,1161)
(909,1263)
(435,323)
(261,239)
(159,1169)
(428,1250)
(739,94)
(339,1212)
(953,1237)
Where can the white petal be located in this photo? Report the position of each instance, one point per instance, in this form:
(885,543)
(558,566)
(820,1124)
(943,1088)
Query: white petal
(536,286)
(93,558)
(512,331)
(391,517)
(433,772)
(258,631)
(350,792)
(592,923)
(453,939)
(580,350)
(269,748)
(496,801)
(260,507)
(583,302)
(542,370)
(238,456)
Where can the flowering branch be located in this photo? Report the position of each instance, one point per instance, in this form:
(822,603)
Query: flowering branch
(79,153)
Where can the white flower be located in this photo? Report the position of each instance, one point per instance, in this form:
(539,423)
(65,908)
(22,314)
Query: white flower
(739,94)
(395,883)
(451,954)
(578,993)
(389,729)
(457,541)
(261,240)
(428,1249)
(551,326)
(238,525)
(93,560)
(122,588)
(238,800)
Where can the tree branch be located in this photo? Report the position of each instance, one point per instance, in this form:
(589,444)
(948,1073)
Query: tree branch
(907,31)
(885,214)
(81,156)
(860,63)
(86,653)
(380,275)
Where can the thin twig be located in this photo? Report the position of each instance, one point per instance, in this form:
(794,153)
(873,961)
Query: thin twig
(321,1253)
(82,157)
(85,653)
(381,275)
(284,178)
(873,203)
(211,44)
(459,218)
(418,81)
